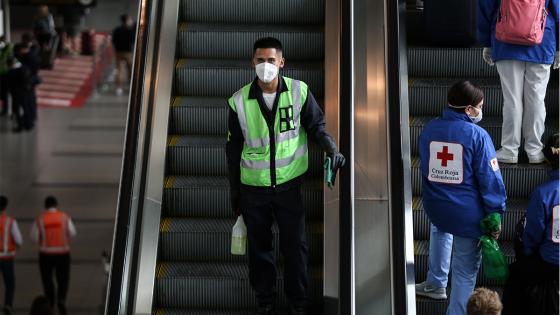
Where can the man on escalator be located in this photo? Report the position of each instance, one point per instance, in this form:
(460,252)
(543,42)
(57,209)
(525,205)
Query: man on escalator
(268,127)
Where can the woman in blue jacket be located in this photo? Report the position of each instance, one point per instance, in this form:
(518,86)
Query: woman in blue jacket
(461,184)
(541,239)
(524,72)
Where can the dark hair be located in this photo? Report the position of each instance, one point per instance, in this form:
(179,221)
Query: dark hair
(2,38)
(551,151)
(267,42)
(3,202)
(26,38)
(50,202)
(124,17)
(41,306)
(464,93)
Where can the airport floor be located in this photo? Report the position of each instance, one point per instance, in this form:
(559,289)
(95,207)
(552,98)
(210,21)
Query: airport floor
(75,155)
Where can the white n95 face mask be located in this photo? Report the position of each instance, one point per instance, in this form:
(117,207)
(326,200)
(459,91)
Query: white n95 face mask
(266,71)
(476,119)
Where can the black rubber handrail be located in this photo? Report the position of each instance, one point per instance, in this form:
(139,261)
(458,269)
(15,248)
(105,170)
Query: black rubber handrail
(124,206)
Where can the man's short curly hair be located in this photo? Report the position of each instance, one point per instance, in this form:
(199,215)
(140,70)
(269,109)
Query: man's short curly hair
(484,302)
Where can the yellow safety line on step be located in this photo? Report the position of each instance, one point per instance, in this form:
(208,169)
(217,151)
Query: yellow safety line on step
(165,224)
(169,181)
(162,270)
(172,141)
(181,63)
(183,27)
(175,101)
(415,203)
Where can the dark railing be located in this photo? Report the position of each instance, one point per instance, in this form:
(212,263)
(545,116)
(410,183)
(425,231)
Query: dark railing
(124,223)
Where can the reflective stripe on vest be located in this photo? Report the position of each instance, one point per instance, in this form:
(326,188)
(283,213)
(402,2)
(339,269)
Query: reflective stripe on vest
(53,233)
(291,152)
(8,246)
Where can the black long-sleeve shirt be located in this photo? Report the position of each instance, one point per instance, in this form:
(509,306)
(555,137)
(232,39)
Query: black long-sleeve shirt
(312,120)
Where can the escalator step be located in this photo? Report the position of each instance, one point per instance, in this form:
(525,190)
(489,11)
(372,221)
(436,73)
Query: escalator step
(208,197)
(191,115)
(493,125)
(208,77)
(206,155)
(202,240)
(299,12)
(421,249)
(448,62)
(520,179)
(218,285)
(515,210)
(428,96)
(235,41)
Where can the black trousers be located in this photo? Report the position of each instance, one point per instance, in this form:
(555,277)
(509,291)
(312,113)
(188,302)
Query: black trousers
(259,211)
(22,110)
(7,270)
(55,266)
(4,93)
(532,287)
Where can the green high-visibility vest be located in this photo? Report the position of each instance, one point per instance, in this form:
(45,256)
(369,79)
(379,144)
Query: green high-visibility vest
(270,160)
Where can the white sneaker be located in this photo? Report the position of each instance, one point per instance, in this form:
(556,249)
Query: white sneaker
(504,158)
(119,91)
(430,291)
(536,158)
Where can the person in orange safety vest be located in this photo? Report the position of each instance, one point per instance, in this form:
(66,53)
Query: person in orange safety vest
(10,240)
(53,230)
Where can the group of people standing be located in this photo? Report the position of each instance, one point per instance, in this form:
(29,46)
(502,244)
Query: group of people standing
(52,231)
(462,183)
(19,76)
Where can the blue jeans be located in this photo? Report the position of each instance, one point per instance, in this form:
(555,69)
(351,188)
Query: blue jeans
(464,267)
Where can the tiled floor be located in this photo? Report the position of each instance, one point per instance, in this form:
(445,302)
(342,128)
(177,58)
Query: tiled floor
(75,155)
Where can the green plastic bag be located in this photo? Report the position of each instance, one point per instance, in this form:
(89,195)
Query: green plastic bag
(493,260)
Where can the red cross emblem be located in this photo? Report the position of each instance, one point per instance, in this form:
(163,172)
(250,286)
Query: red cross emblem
(444,156)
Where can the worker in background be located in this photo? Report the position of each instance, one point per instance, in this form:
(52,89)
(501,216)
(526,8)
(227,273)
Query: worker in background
(6,52)
(53,230)
(19,82)
(461,185)
(44,27)
(270,120)
(10,240)
(28,53)
(538,264)
(123,42)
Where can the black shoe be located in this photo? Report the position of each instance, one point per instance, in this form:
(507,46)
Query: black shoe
(266,310)
(7,310)
(17,129)
(297,310)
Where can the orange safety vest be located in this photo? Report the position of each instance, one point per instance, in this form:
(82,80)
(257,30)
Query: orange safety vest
(7,244)
(53,233)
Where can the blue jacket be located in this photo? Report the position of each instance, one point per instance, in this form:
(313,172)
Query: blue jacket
(543,53)
(461,180)
(540,231)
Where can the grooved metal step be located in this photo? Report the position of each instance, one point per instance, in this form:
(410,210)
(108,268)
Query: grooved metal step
(235,41)
(421,249)
(428,96)
(209,77)
(190,115)
(217,286)
(208,197)
(520,179)
(493,125)
(515,210)
(448,62)
(308,12)
(170,311)
(206,155)
(201,240)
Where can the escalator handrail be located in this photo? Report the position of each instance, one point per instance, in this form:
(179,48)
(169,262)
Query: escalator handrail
(123,223)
